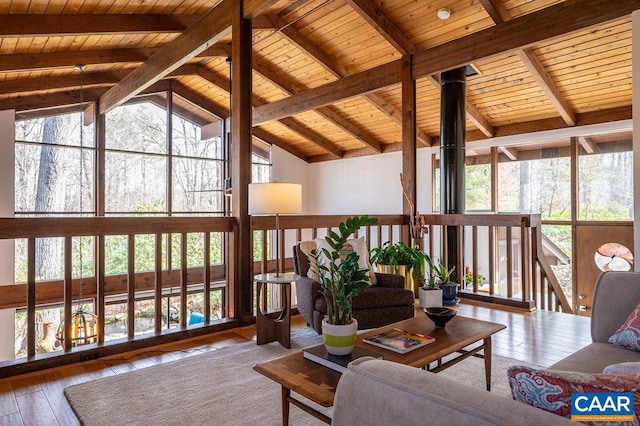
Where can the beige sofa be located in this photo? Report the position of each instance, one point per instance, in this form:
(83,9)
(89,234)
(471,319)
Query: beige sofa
(376,392)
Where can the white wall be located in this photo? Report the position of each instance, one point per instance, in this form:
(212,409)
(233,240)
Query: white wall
(365,185)
(7,208)
(288,168)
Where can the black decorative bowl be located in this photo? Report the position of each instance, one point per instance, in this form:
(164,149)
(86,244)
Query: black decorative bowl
(440,316)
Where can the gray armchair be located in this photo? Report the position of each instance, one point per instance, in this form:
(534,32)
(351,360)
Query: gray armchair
(384,303)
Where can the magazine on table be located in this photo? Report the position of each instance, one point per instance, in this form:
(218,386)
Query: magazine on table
(400,341)
(319,354)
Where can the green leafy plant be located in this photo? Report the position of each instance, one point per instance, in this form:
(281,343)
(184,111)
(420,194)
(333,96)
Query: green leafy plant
(393,254)
(341,277)
(422,271)
(442,273)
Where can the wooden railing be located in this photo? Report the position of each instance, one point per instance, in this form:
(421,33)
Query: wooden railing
(130,287)
(518,274)
(527,280)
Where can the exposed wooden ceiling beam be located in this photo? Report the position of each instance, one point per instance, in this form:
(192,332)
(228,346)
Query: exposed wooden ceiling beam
(209,29)
(293,6)
(383,25)
(253,8)
(64,25)
(547,85)
(511,153)
(200,100)
(66,98)
(548,23)
(266,137)
(70,81)
(496,10)
(41,61)
(500,14)
(338,70)
(587,144)
(38,61)
(352,86)
(290,123)
(330,113)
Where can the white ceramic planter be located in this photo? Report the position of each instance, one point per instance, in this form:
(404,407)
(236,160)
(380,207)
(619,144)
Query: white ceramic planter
(430,298)
(339,339)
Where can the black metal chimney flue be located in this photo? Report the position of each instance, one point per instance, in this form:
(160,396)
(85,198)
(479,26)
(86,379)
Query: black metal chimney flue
(452,157)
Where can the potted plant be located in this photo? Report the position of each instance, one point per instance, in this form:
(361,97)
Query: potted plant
(396,259)
(341,278)
(430,293)
(449,289)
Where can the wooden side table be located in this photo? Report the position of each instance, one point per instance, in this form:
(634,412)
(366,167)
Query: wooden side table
(274,326)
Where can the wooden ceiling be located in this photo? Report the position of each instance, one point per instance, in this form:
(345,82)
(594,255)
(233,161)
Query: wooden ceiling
(326,73)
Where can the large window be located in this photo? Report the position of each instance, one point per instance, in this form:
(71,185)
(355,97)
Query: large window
(136,159)
(536,186)
(606,186)
(154,165)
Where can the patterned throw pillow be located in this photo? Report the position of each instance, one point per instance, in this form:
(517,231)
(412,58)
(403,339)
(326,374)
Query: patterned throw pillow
(551,390)
(628,335)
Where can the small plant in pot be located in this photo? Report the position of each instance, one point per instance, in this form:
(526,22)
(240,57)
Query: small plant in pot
(430,293)
(449,289)
(341,279)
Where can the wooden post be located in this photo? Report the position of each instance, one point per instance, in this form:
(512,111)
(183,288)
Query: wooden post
(158,286)
(31,298)
(408,143)
(68,291)
(574,222)
(240,277)
(131,286)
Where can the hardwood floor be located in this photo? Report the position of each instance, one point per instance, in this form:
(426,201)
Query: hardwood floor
(540,337)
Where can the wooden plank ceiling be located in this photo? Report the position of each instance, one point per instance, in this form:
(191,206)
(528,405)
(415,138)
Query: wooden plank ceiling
(326,79)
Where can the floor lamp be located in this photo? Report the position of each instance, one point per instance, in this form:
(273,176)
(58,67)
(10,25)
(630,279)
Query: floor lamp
(275,198)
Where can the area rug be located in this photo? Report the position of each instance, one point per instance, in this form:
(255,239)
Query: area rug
(221,387)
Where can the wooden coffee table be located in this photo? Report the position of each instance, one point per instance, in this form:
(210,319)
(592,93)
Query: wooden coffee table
(318,383)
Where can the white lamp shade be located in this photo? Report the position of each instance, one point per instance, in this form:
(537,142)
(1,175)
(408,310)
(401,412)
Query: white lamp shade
(275,198)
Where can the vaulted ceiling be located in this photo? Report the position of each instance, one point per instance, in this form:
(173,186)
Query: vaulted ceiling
(326,73)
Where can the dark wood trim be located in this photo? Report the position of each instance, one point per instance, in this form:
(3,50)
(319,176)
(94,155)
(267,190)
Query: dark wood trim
(575,211)
(241,282)
(184,280)
(409,146)
(68,292)
(131,286)
(33,25)
(92,226)
(207,278)
(498,300)
(101,287)
(31,298)
(158,283)
(320,221)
